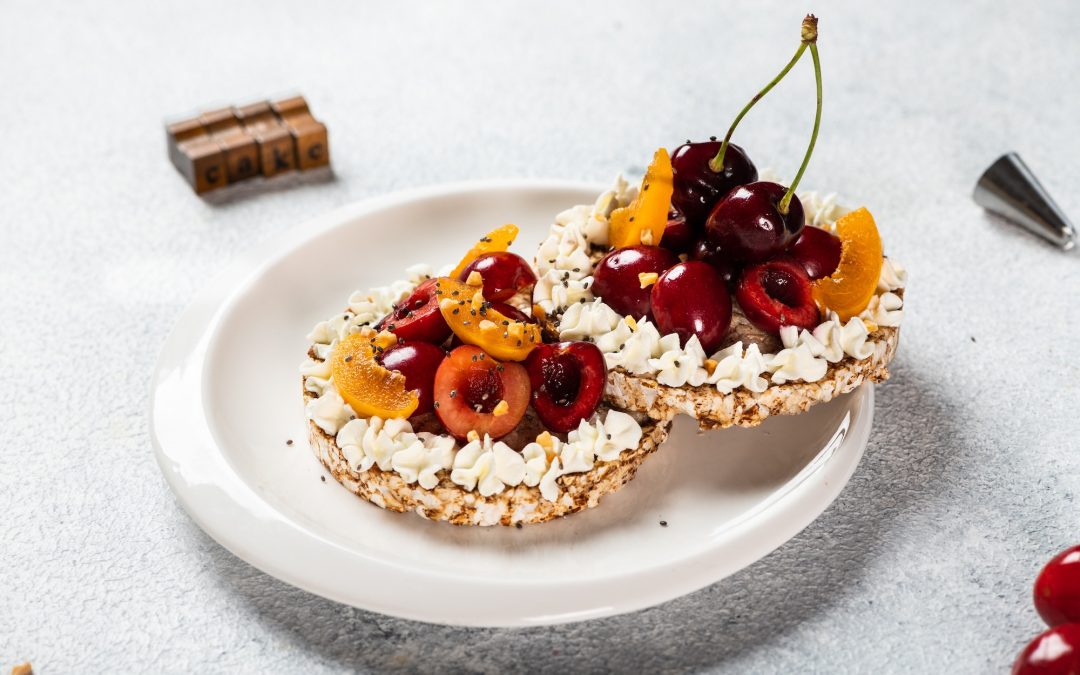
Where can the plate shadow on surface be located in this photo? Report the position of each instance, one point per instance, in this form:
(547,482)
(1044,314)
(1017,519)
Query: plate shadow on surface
(753,608)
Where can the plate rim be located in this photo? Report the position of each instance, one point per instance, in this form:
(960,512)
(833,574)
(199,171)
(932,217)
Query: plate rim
(217,498)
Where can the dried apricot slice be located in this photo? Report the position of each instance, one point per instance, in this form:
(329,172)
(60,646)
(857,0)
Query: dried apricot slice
(498,239)
(366,386)
(476,322)
(644,219)
(848,291)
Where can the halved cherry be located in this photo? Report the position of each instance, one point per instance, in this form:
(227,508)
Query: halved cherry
(369,388)
(475,392)
(498,239)
(504,274)
(417,317)
(477,322)
(567,382)
(417,362)
(777,293)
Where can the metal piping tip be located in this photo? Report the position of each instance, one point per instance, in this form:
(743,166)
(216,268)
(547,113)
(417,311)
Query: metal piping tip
(1009,189)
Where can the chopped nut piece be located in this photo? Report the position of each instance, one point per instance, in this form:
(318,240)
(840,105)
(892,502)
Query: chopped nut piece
(487,324)
(646,236)
(501,408)
(516,330)
(538,313)
(545,441)
(472,436)
(475,279)
(870,326)
(386,339)
(647,279)
(367,331)
(710,365)
(630,321)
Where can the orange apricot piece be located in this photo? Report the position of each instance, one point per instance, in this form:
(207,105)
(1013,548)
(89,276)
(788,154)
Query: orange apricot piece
(475,322)
(849,290)
(644,219)
(368,388)
(497,240)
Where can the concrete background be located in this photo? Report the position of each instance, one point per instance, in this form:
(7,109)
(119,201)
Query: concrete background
(925,562)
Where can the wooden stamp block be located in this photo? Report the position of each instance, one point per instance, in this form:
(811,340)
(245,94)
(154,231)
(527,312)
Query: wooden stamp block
(203,164)
(218,121)
(184,130)
(277,151)
(254,114)
(290,106)
(312,146)
(241,154)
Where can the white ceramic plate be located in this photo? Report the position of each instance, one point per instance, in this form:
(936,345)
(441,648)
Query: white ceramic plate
(227,398)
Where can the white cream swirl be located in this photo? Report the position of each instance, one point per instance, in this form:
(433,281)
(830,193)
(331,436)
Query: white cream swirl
(800,359)
(893,276)
(676,365)
(555,290)
(329,411)
(884,310)
(736,367)
(373,441)
(586,319)
(605,439)
(421,462)
(487,466)
(633,353)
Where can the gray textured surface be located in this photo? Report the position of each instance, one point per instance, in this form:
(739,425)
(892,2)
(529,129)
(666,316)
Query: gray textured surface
(923,564)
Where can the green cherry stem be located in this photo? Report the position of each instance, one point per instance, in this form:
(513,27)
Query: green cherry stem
(717,163)
(785,203)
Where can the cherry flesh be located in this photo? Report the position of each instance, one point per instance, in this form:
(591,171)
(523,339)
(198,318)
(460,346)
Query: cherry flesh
(705,251)
(616,281)
(469,385)
(678,235)
(777,293)
(1057,589)
(747,224)
(691,298)
(818,251)
(1055,652)
(568,381)
(504,274)
(697,187)
(417,318)
(417,361)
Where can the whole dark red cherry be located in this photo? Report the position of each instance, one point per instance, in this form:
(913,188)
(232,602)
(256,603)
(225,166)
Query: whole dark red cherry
(777,293)
(615,278)
(818,251)
(417,317)
(678,235)
(567,381)
(697,187)
(504,274)
(417,361)
(1055,652)
(1057,588)
(705,251)
(692,299)
(747,223)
